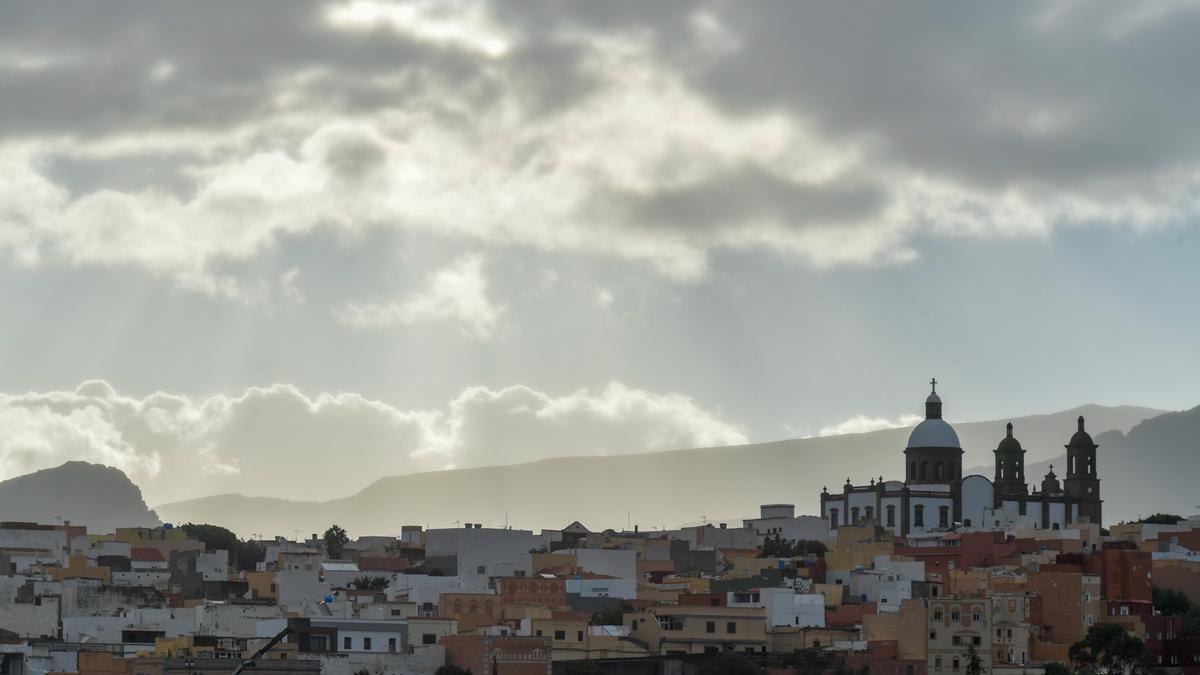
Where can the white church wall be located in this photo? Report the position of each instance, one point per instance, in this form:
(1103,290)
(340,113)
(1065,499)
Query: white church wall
(931,505)
(976,496)
(883,511)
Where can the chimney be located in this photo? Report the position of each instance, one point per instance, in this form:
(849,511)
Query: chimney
(723,525)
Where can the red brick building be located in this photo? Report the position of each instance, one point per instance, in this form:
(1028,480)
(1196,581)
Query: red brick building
(499,655)
(550,593)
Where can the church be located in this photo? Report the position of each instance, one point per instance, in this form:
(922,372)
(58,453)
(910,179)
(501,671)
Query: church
(934,495)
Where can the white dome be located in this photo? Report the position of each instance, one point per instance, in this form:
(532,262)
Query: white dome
(934,433)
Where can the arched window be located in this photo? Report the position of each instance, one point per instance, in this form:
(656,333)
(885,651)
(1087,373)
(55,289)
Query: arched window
(869,514)
(938,471)
(891,515)
(924,470)
(918,516)
(912,470)
(854,515)
(943,516)
(833,519)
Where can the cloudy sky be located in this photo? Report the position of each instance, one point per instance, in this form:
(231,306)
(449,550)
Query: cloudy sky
(286,247)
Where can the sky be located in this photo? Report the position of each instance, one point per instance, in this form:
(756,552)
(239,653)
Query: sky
(285,248)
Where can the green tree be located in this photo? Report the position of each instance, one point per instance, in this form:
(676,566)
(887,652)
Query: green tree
(1191,620)
(1056,668)
(778,547)
(1161,519)
(243,555)
(1109,649)
(1170,602)
(974,663)
(365,583)
(335,541)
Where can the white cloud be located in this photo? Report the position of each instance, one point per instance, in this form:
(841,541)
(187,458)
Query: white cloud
(660,137)
(276,441)
(604,298)
(457,292)
(861,424)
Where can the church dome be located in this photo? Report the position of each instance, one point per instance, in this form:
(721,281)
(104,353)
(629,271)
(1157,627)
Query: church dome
(1009,444)
(933,433)
(1081,439)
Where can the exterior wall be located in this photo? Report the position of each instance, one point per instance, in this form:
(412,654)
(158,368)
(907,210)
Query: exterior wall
(930,517)
(977,495)
(625,589)
(421,588)
(499,655)
(609,562)
(31,619)
(803,527)
(213,565)
(295,587)
(700,630)
(907,627)
(955,627)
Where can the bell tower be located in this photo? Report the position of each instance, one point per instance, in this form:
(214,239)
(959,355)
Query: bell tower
(1082,484)
(1009,481)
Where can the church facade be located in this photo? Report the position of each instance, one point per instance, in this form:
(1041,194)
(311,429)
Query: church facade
(935,496)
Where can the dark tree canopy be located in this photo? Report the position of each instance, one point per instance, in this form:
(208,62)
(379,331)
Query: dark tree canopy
(1109,649)
(243,555)
(335,541)
(451,670)
(777,547)
(1056,668)
(1161,519)
(1171,602)
(367,583)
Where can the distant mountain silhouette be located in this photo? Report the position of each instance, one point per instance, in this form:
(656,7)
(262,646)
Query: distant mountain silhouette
(1152,468)
(101,497)
(650,490)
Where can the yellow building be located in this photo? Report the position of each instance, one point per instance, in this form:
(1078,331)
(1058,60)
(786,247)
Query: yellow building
(77,568)
(684,629)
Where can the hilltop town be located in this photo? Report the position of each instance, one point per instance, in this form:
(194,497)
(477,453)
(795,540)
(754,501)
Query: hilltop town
(937,573)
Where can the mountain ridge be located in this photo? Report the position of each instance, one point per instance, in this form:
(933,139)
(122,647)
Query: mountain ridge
(82,493)
(659,484)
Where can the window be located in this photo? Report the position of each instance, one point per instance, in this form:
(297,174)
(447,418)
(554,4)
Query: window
(938,473)
(933,635)
(943,516)
(709,649)
(854,515)
(391,644)
(560,635)
(1124,610)
(966,522)
(731,627)
(579,636)
(937,615)
(833,519)
(918,516)
(924,470)
(976,640)
(710,627)
(956,664)
(366,643)
(431,638)
(954,615)
(937,663)
(956,640)
(870,513)
(891,515)
(346,642)
(976,616)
